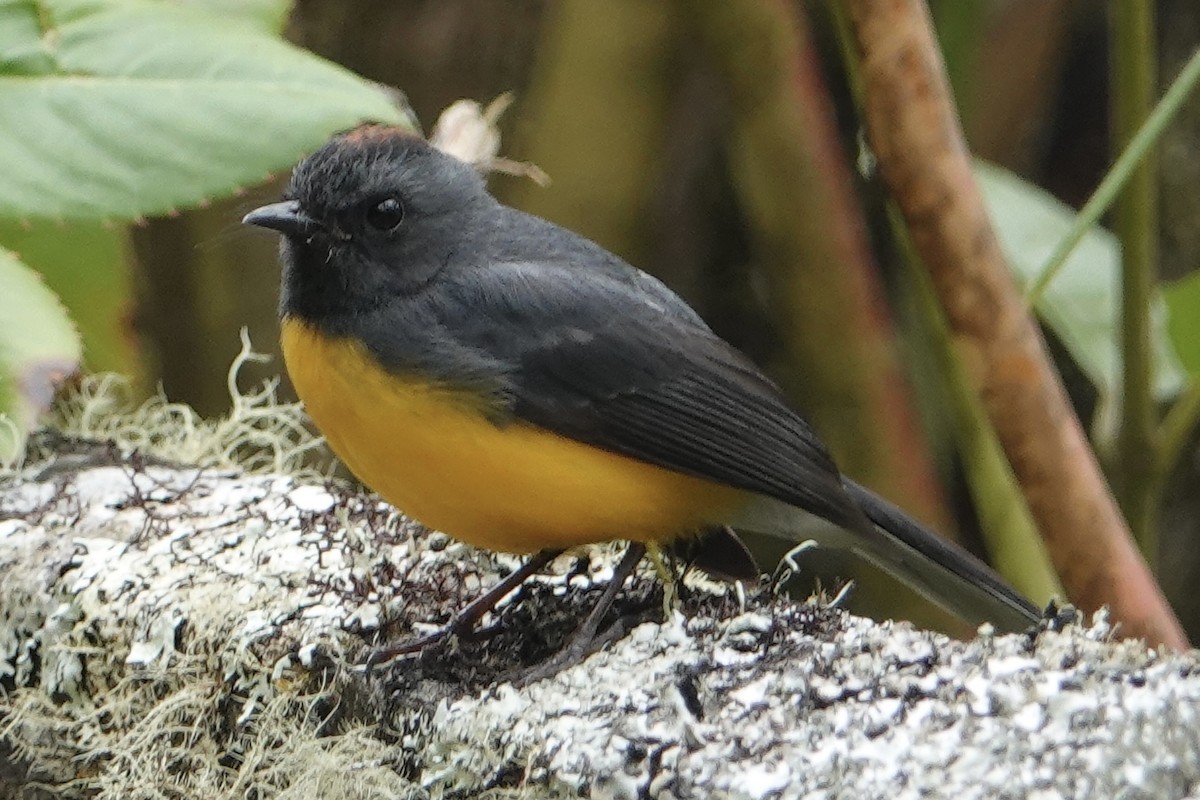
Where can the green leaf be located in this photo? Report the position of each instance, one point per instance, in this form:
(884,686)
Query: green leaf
(155,107)
(1082,304)
(23,51)
(1183,303)
(84,263)
(267,15)
(38,348)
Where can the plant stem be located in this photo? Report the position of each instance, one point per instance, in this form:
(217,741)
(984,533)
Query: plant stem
(1135,220)
(1176,430)
(1116,178)
(1009,532)
(911,127)
(1008,529)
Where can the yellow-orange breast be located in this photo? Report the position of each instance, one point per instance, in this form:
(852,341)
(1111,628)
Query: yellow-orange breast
(432,453)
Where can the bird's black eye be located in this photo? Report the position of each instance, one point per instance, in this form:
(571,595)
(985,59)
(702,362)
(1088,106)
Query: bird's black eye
(386,214)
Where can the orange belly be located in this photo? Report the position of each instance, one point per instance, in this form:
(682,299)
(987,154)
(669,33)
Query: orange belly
(517,488)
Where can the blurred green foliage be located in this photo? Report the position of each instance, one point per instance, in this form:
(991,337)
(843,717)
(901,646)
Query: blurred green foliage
(112,110)
(1082,304)
(38,348)
(1183,300)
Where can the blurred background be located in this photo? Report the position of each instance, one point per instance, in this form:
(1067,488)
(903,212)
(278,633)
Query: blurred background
(714,145)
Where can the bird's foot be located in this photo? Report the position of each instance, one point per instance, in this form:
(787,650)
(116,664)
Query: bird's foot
(668,575)
(417,646)
(464,621)
(578,649)
(588,638)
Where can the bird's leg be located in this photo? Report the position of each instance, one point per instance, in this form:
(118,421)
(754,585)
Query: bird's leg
(671,580)
(469,616)
(583,638)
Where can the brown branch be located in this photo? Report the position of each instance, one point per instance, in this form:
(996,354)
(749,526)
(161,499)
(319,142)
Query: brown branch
(923,158)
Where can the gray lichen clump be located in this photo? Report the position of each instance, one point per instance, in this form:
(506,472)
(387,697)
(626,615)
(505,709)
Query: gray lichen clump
(173,630)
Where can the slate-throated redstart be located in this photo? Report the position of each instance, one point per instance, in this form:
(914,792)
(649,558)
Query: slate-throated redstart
(518,387)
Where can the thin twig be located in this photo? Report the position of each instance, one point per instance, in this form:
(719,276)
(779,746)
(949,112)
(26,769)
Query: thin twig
(1112,184)
(1135,218)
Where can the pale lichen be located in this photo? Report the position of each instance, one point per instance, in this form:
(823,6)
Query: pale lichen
(185,606)
(260,434)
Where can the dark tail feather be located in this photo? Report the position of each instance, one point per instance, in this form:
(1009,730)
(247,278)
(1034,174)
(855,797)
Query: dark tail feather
(939,569)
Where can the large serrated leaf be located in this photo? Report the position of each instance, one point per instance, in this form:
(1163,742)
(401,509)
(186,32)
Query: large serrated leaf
(38,348)
(155,107)
(1082,304)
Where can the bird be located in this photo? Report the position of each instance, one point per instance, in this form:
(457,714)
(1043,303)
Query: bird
(515,385)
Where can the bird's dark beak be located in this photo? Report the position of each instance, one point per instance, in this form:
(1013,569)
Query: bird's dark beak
(285,217)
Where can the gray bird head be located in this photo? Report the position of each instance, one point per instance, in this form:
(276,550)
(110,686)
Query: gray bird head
(373,214)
